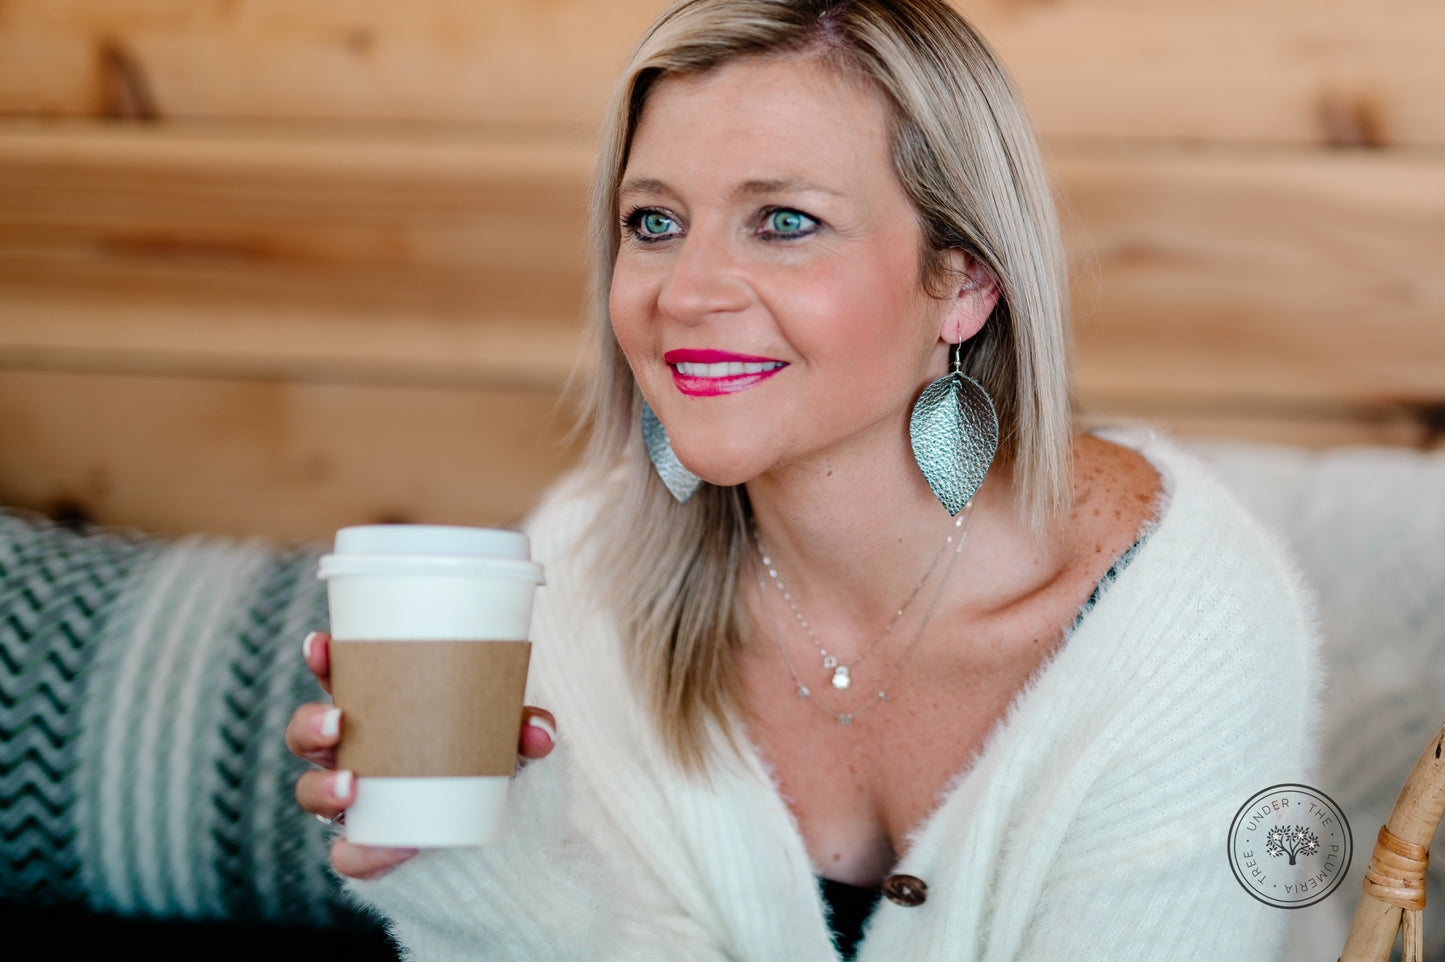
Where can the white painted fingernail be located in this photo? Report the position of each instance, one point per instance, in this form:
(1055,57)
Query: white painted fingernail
(306,644)
(538,721)
(341,785)
(331,722)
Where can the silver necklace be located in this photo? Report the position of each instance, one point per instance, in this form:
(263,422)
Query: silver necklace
(842,676)
(846,718)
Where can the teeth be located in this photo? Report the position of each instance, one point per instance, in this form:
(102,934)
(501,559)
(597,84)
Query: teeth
(726,368)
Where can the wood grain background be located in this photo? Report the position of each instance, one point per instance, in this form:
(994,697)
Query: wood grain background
(270,268)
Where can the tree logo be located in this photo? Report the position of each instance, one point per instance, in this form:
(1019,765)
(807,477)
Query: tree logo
(1290,846)
(1293,842)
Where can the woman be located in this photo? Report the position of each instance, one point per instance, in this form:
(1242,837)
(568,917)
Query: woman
(811,675)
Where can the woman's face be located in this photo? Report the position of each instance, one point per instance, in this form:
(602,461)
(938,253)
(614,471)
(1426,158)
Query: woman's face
(767,290)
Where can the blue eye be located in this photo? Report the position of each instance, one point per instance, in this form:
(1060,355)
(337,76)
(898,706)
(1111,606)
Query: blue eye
(649,225)
(788,223)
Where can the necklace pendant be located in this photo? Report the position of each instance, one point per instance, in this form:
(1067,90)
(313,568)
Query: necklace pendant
(803,691)
(841,679)
(845,719)
(830,662)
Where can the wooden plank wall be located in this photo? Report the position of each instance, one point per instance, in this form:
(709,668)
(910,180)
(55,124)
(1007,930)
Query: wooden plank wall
(270,268)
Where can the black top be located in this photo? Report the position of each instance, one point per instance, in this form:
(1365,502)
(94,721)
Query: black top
(851,905)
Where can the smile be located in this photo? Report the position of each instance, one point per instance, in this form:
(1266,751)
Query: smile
(711,373)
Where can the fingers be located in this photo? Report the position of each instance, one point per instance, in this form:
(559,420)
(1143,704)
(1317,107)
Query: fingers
(539,733)
(326,794)
(316,649)
(313,732)
(366,861)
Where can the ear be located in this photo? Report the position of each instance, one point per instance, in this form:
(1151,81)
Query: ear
(973,293)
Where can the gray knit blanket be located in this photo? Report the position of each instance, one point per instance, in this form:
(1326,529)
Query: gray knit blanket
(145,685)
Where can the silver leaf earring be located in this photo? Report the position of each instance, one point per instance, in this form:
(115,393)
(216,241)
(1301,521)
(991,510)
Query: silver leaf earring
(679,480)
(954,431)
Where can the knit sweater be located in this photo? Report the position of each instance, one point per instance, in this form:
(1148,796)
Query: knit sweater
(1091,825)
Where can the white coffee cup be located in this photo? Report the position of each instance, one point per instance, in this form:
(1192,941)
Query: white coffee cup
(429,627)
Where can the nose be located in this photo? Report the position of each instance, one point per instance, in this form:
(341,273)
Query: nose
(703,278)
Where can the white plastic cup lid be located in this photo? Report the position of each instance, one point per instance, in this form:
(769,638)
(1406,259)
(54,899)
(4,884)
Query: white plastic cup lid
(428,539)
(434,548)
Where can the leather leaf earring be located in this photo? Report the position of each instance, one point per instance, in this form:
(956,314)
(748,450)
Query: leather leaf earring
(679,480)
(954,431)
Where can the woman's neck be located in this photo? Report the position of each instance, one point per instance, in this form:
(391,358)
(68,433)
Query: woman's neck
(851,534)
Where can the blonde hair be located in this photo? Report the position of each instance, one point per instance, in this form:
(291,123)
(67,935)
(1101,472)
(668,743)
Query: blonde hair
(964,152)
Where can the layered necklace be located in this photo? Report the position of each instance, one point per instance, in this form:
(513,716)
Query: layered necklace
(841,675)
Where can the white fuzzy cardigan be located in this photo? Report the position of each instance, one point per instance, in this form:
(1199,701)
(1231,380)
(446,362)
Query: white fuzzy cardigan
(1092,825)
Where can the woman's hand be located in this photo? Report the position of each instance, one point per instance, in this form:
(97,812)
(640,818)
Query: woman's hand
(313,733)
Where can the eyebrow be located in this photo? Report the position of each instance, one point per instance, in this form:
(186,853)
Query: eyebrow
(751,188)
(783,185)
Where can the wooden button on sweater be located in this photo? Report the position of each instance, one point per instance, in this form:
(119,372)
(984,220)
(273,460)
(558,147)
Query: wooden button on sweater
(906,890)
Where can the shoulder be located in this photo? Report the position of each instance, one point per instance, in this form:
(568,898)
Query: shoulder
(1113,471)
(563,534)
(1200,520)
(1219,584)
(568,511)
(1144,483)
(573,637)
(1118,496)
(1206,645)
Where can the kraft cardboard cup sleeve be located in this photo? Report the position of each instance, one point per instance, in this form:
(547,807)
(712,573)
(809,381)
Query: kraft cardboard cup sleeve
(429,654)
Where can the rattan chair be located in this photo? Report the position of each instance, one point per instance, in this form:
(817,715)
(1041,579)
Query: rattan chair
(1395,881)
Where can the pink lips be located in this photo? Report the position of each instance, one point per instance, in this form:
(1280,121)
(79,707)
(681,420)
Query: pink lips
(715,382)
